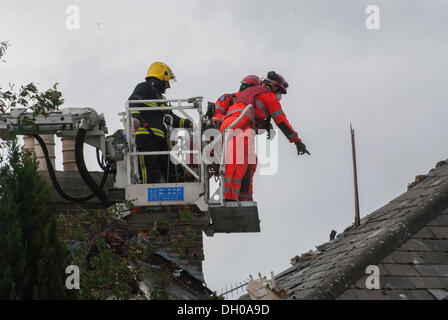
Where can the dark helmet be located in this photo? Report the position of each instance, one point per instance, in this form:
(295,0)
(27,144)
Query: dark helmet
(249,81)
(275,79)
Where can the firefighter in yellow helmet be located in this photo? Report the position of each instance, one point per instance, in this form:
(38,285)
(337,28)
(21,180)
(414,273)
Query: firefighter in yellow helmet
(150,126)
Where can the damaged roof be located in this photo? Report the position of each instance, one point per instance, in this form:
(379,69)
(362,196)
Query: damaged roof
(407,239)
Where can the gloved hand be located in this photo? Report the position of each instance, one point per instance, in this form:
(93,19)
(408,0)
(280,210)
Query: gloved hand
(136,123)
(301,148)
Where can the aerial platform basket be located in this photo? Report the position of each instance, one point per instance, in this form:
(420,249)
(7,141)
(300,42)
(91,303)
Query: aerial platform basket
(217,216)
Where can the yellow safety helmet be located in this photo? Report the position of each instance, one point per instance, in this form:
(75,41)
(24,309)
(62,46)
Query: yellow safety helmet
(160,71)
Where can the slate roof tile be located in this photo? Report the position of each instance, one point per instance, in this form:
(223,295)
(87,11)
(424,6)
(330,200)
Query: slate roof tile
(424,233)
(429,282)
(415,257)
(392,282)
(439,232)
(441,220)
(347,295)
(298,295)
(439,294)
(385,295)
(370,294)
(433,270)
(415,245)
(434,257)
(393,269)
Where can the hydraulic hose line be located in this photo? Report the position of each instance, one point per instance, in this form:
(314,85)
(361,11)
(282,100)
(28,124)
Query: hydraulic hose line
(55,181)
(82,168)
(100,161)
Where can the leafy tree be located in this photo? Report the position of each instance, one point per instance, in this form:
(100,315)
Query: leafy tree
(3,47)
(32,259)
(97,249)
(13,275)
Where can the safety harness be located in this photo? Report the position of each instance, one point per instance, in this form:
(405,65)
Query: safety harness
(248,97)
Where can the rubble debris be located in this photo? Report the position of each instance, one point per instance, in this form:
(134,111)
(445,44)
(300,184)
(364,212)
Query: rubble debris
(330,243)
(441,163)
(417,180)
(304,257)
(420,178)
(332,234)
(264,289)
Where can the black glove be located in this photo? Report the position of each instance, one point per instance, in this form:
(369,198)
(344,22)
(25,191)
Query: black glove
(211,107)
(301,148)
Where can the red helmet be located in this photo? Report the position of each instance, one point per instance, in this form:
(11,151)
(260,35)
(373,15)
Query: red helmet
(251,80)
(275,79)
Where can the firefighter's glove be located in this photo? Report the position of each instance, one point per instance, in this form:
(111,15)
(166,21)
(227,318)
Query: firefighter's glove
(136,124)
(301,148)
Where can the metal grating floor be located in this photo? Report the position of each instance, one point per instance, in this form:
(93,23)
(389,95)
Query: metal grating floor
(235,217)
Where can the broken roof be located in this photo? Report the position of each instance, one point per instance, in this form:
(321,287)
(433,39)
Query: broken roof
(406,238)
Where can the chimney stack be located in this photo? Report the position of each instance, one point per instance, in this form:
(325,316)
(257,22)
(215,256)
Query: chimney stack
(68,154)
(49,142)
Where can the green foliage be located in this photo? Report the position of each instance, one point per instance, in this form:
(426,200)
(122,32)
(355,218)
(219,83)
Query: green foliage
(186,215)
(32,100)
(97,249)
(160,292)
(109,257)
(187,235)
(29,98)
(32,259)
(3,46)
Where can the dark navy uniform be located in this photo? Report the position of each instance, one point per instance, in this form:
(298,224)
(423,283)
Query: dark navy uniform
(151,136)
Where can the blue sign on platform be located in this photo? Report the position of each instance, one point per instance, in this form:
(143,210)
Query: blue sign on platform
(166,194)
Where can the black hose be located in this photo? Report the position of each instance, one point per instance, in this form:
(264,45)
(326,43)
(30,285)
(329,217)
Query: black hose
(55,181)
(100,161)
(88,180)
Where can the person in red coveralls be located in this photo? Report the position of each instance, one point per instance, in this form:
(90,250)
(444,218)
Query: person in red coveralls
(241,161)
(228,99)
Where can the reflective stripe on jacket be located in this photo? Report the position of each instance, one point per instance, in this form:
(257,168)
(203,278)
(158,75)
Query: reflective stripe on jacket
(223,104)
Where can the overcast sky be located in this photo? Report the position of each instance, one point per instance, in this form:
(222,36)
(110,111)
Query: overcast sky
(389,83)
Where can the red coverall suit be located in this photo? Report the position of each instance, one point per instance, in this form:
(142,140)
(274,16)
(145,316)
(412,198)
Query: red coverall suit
(239,174)
(223,104)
